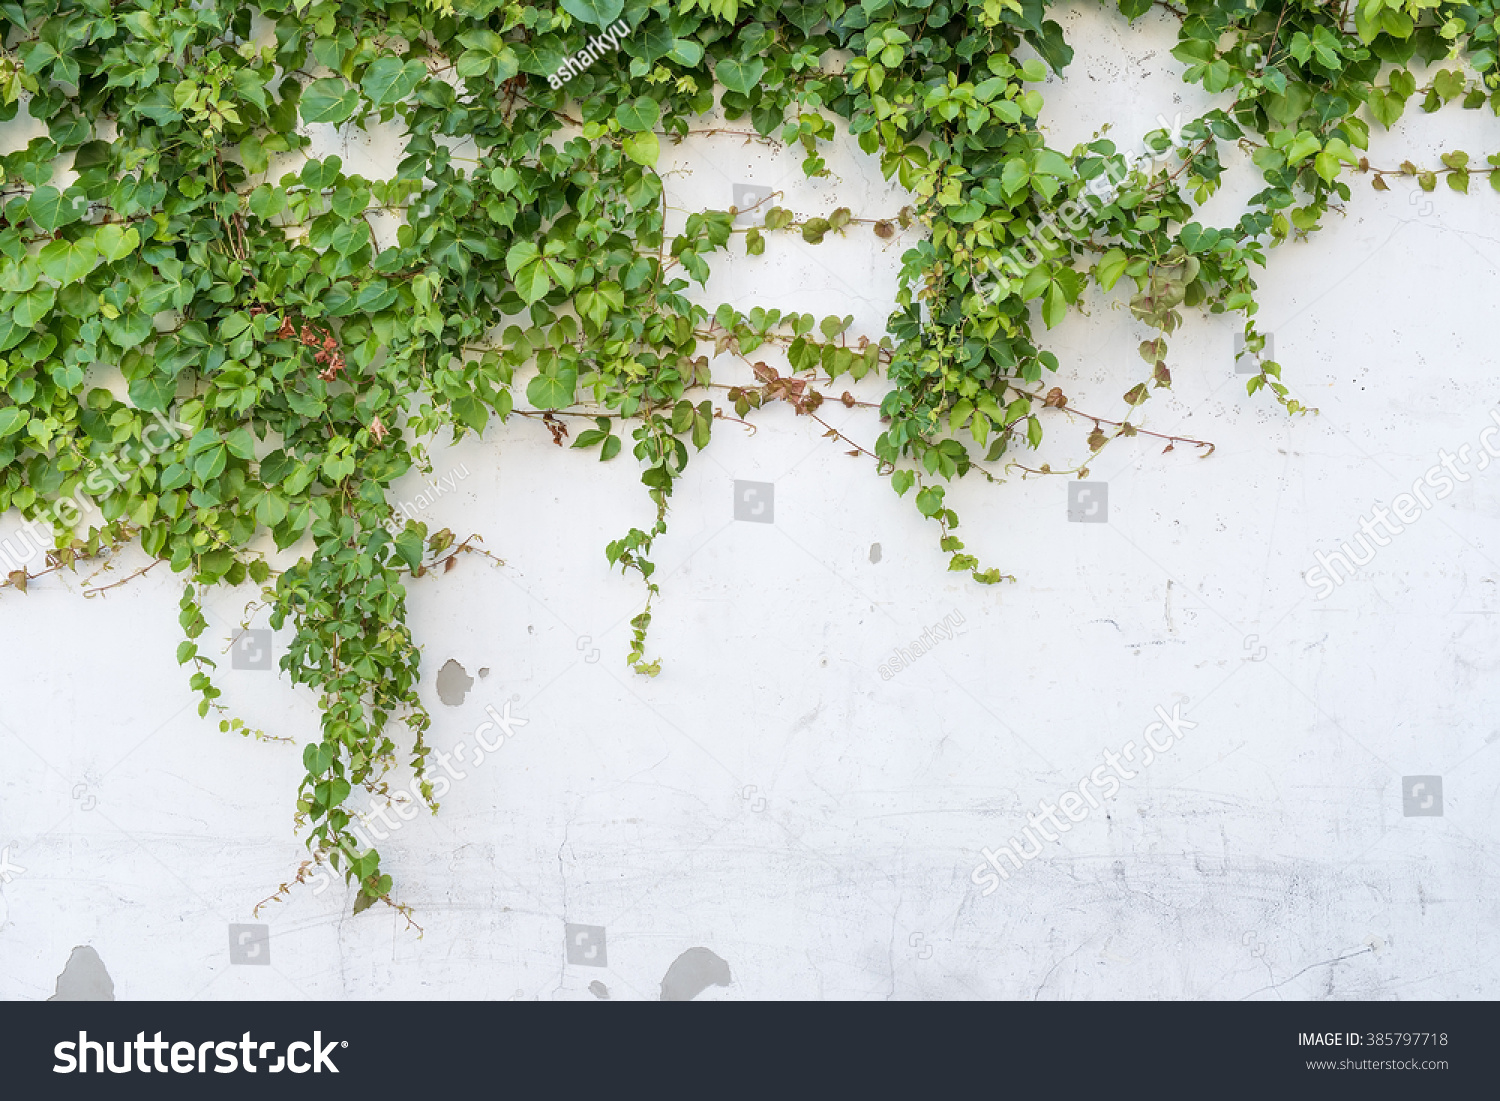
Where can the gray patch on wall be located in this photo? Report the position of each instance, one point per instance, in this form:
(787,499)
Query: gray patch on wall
(874,552)
(599,990)
(453,683)
(692,973)
(84,979)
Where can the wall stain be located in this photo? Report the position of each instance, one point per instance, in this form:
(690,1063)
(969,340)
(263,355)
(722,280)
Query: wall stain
(692,973)
(84,978)
(453,683)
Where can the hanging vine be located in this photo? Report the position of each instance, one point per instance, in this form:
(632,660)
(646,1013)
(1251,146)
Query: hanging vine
(205,336)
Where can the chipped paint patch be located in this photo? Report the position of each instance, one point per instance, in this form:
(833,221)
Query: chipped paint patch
(692,973)
(453,683)
(84,978)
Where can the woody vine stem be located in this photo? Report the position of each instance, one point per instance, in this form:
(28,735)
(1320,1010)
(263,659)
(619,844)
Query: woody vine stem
(169,249)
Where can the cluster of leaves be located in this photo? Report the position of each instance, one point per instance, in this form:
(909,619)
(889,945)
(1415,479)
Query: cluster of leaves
(170,247)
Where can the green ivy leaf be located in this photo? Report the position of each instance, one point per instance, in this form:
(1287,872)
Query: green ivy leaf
(740,76)
(253,154)
(553,391)
(115,242)
(328,100)
(12,419)
(267,201)
(153,394)
(642,113)
(1302,146)
(1054,306)
(410,546)
(487,54)
(51,209)
(597,13)
(643,148)
(33,306)
(209,463)
(389,80)
(1110,267)
(520,255)
(686,52)
(241,443)
(532,281)
(69,261)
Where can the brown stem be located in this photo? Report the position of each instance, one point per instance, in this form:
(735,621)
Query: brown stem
(1066,408)
(95,591)
(834,431)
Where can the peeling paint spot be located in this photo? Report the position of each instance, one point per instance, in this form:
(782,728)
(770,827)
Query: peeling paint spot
(84,979)
(599,990)
(874,552)
(692,973)
(484,672)
(453,683)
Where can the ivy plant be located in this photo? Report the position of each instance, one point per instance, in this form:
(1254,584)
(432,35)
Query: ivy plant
(208,338)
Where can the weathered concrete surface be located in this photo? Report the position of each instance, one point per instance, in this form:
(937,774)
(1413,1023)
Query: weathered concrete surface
(770,795)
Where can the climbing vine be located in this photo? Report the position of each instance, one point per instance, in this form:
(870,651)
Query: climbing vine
(208,335)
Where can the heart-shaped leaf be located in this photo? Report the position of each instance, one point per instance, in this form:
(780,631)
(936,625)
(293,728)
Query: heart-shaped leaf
(153,393)
(598,13)
(643,148)
(686,52)
(34,306)
(641,114)
(553,391)
(486,54)
(116,242)
(541,57)
(740,76)
(328,100)
(51,209)
(69,261)
(390,80)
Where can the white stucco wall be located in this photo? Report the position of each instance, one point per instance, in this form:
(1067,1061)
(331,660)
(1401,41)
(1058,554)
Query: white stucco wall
(770,797)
